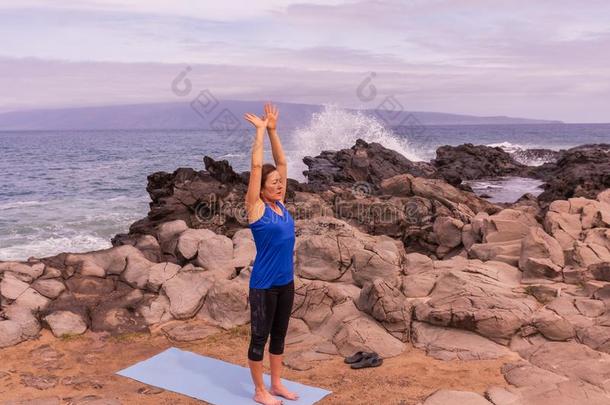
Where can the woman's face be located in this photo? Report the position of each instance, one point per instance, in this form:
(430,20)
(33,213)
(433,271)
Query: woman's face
(273,186)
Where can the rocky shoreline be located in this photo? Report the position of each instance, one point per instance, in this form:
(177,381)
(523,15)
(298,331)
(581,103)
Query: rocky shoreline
(389,253)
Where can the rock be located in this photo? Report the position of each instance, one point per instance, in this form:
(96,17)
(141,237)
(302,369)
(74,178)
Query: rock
(22,271)
(326,248)
(65,323)
(226,304)
(168,233)
(10,333)
(186,291)
(399,185)
(574,361)
(387,305)
(582,171)
(380,259)
(479,298)
(524,374)
(244,249)
(215,253)
(118,313)
(553,326)
(363,162)
(189,239)
(452,397)
(562,225)
(33,300)
(364,334)
(30,327)
(541,255)
(544,293)
(50,288)
(155,309)
(450,196)
(159,273)
(452,344)
(590,308)
(600,271)
(82,382)
(107,261)
(12,287)
(84,285)
(470,162)
(448,231)
(418,285)
(596,337)
(415,263)
(506,225)
(137,270)
(507,252)
(189,331)
(314,302)
(147,244)
(41,382)
(319,257)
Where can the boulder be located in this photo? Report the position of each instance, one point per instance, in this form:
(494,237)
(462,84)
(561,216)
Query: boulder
(65,323)
(553,326)
(155,309)
(215,253)
(388,306)
(189,239)
(159,273)
(448,231)
(226,304)
(186,291)
(24,272)
(12,287)
(50,288)
(454,344)
(10,333)
(30,326)
(365,334)
(541,255)
(479,298)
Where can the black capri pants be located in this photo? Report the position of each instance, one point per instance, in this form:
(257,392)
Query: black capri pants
(270,310)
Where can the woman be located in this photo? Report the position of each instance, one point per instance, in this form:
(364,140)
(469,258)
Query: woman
(271,292)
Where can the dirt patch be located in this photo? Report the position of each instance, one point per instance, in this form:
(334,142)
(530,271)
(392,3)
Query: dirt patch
(74,367)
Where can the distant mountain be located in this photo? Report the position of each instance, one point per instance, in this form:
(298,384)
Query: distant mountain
(209,115)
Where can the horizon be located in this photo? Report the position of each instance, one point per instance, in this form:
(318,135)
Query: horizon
(464,58)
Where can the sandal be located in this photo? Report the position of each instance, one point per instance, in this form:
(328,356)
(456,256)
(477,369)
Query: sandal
(358,356)
(369,361)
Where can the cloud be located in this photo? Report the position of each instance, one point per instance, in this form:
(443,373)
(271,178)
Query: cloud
(545,59)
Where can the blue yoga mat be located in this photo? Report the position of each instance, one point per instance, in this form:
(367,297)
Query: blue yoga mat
(211,380)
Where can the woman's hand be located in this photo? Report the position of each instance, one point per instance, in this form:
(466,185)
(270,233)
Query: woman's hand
(271,112)
(256,121)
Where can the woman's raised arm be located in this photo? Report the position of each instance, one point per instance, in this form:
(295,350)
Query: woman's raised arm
(256,167)
(272,113)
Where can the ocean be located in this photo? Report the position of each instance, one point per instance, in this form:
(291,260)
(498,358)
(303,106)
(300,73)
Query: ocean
(71,191)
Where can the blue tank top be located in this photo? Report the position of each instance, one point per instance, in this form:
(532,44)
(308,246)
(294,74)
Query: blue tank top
(274,239)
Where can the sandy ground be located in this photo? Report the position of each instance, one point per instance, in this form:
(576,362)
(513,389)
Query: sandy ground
(84,366)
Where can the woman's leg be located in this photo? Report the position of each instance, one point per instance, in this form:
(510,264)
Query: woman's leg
(279,329)
(262,309)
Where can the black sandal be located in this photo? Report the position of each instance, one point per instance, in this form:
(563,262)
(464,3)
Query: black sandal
(369,361)
(358,356)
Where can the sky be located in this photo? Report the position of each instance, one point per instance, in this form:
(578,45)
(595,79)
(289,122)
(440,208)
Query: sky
(548,59)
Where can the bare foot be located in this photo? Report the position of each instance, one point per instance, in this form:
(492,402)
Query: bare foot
(265,398)
(283,392)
